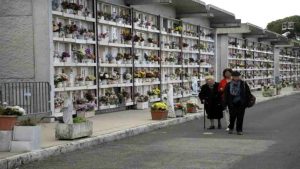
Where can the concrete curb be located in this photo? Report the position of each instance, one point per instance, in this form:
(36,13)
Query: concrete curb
(17,160)
(280,96)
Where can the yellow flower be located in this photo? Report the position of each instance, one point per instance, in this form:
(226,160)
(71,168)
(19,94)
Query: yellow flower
(159,106)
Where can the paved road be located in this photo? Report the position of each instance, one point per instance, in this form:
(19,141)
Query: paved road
(271,141)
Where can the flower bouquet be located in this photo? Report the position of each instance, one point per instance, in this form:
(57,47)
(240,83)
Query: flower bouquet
(159,111)
(141,101)
(179,110)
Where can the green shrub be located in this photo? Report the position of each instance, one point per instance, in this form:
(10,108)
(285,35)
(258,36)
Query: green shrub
(79,120)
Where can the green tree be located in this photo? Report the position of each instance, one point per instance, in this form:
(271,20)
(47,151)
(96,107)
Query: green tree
(276,26)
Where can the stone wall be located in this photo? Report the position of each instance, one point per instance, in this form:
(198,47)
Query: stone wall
(24,40)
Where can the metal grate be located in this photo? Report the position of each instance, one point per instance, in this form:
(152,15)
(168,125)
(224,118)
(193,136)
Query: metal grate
(34,97)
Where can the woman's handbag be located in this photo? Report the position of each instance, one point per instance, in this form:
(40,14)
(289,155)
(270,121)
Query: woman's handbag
(251,99)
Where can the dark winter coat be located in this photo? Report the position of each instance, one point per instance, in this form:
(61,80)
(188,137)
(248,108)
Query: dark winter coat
(212,100)
(245,95)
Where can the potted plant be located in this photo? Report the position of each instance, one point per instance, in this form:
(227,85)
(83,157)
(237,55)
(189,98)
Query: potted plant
(26,136)
(57,28)
(81,127)
(85,107)
(65,57)
(142,102)
(127,77)
(8,116)
(82,33)
(58,103)
(268,91)
(191,107)
(119,58)
(179,110)
(70,30)
(89,80)
(159,111)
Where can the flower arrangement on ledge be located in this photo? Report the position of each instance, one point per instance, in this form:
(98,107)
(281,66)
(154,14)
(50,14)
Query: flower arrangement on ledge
(58,102)
(127,77)
(154,93)
(85,104)
(138,40)
(141,98)
(57,29)
(159,111)
(60,80)
(127,36)
(199,46)
(152,58)
(110,98)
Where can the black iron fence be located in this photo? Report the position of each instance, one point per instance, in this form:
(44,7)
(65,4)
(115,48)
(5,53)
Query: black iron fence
(34,97)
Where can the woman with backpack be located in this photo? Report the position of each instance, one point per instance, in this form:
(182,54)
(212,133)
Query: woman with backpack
(237,97)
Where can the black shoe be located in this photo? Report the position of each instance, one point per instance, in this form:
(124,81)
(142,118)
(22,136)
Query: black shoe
(211,127)
(230,131)
(239,133)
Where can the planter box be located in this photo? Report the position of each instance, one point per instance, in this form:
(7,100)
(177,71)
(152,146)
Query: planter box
(86,114)
(142,105)
(7,122)
(21,146)
(179,113)
(5,140)
(191,108)
(31,134)
(73,131)
(269,93)
(159,115)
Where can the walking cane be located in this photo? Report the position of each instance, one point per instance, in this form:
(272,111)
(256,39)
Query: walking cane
(204,116)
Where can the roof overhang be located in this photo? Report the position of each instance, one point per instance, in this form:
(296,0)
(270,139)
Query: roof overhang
(220,18)
(181,7)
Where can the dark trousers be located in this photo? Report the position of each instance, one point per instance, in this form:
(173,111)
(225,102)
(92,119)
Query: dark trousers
(236,113)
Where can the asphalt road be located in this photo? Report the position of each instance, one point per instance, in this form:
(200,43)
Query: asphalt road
(271,140)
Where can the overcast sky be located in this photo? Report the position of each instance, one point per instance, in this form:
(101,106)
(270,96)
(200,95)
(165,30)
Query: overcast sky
(259,12)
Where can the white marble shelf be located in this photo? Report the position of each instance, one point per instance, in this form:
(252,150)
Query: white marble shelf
(112,23)
(115,85)
(114,65)
(72,40)
(146,29)
(62,64)
(72,16)
(147,83)
(75,88)
(117,45)
(190,37)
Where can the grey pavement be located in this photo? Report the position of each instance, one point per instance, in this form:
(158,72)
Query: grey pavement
(271,141)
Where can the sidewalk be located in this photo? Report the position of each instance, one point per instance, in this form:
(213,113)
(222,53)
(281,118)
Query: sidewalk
(107,127)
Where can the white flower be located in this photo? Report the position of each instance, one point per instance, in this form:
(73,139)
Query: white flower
(20,109)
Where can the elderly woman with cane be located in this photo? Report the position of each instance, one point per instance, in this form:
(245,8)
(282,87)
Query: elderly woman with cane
(211,98)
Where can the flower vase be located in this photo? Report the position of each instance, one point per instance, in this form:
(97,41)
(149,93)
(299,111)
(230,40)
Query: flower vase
(79,13)
(57,110)
(55,34)
(59,85)
(56,60)
(119,62)
(89,83)
(142,43)
(69,35)
(65,84)
(80,37)
(104,82)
